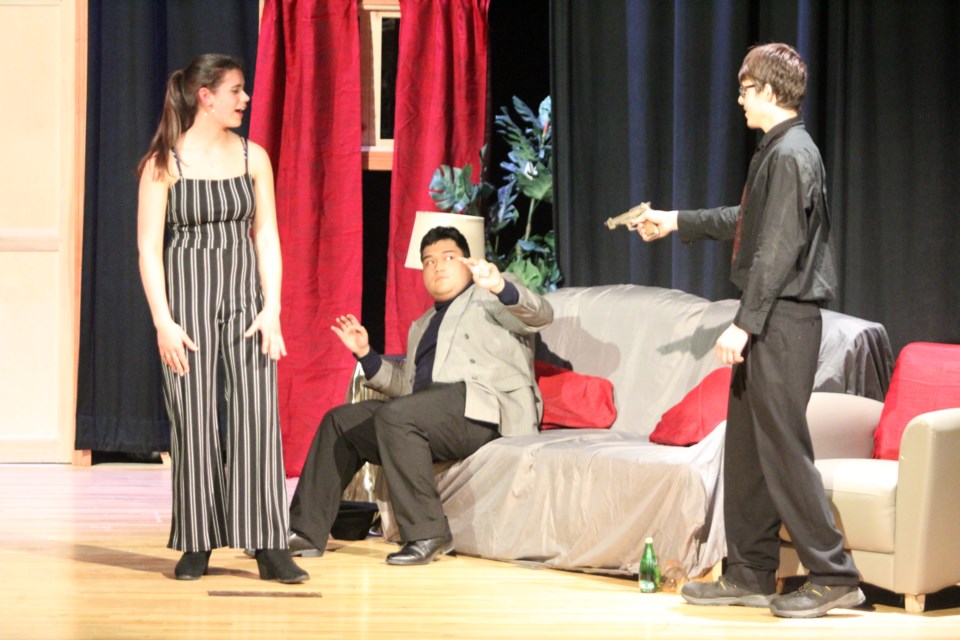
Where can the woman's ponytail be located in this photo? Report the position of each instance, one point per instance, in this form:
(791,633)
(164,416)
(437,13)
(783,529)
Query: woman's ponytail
(172,124)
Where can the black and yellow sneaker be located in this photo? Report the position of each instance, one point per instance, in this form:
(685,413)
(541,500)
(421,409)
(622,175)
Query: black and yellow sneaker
(814,600)
(723,592)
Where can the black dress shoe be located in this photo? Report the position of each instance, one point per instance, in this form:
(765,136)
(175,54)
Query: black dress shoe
(422,551)
(192,565)
(275,564)
(300,547)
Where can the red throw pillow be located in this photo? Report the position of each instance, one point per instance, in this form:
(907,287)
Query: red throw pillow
(701,410)
(925,378)
(574,400)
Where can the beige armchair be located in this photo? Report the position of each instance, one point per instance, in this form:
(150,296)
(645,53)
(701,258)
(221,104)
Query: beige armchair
(900,518)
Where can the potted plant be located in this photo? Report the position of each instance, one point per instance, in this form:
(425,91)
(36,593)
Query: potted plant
(528,183)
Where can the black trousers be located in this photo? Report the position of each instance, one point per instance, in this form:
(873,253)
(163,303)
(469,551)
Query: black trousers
(769,476)
(405,436)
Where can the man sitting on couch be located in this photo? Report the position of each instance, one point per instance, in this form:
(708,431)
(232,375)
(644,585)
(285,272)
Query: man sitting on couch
(467,379)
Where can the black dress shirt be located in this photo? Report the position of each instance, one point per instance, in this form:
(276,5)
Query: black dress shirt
(783,249)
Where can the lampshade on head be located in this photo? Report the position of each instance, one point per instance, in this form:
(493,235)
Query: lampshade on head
(470,226)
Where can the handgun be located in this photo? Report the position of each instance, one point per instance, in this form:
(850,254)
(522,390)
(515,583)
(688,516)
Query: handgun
(625,218)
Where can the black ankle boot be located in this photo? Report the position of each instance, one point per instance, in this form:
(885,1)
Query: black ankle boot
(275,564)
(192,565)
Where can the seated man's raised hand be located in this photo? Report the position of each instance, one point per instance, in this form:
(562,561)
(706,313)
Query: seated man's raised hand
(352,334)
(485,274)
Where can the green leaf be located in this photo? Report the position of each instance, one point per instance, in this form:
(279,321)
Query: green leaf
(550,239)
(442,189)
(539,187)
(546,109)
(452,189)
(533,244)
(526,114)
(527,272)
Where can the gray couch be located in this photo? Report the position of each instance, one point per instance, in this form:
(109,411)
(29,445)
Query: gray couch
(585,499)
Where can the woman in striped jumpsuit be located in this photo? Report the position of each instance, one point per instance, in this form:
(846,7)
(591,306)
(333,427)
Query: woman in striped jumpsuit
(214,294)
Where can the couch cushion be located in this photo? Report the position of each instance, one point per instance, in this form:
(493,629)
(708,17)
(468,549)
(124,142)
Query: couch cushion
(574,400)
(863,493)
(925,378)
(699,413)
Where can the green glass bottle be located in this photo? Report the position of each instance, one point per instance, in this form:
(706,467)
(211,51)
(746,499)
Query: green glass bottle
(649,571)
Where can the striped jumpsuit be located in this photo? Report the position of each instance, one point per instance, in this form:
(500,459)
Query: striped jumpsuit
(213,288)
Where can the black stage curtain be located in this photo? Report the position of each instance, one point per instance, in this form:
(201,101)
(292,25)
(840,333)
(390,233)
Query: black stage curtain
(645,106)
(133,46)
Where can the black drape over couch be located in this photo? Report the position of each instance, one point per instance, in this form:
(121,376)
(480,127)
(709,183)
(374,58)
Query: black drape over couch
(645,108)
(133,46)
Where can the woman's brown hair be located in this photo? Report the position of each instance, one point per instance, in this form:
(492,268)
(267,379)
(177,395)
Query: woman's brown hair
(180,105)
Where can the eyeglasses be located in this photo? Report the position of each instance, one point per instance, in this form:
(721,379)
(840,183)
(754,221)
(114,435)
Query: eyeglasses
(743,88)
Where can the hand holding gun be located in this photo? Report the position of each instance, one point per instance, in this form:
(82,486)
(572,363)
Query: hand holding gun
(628,218)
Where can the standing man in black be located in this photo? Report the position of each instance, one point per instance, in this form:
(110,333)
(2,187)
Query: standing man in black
(783,265)
(467,379)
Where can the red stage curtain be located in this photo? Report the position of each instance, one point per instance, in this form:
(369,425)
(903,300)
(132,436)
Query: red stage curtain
(306,114)
(440,117)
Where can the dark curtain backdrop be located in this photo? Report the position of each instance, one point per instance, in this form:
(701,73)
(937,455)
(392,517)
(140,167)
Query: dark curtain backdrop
(645,108)
(133,46)
(306,114)
(441,108)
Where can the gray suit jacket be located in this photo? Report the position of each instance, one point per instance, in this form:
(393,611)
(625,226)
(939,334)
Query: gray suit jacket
(489,347)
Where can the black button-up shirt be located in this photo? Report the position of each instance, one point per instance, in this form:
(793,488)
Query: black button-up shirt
(783,250)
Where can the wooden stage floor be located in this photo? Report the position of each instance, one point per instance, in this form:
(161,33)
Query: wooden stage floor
(83,557)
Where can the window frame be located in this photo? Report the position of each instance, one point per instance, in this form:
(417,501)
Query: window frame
(376,152)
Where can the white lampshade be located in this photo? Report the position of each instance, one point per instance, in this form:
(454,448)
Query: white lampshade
(470,226)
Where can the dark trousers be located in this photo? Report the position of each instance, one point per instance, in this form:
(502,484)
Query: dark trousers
(403,435)
(769,476)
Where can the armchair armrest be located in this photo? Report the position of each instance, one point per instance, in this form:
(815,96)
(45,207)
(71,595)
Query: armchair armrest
(357,391)
(842,425)
(362,487)
(928,508)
